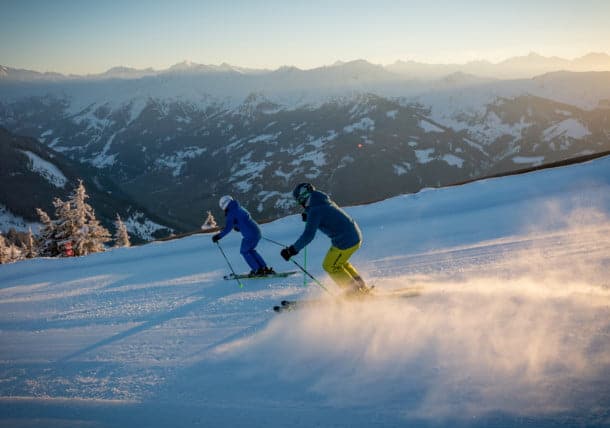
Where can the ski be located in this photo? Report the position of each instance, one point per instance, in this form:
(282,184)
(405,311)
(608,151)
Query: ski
(248,276)
(405,292)
(291,305)
(373,293)
(285,305)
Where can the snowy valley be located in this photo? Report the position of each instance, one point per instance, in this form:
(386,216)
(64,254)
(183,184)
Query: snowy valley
(362,131)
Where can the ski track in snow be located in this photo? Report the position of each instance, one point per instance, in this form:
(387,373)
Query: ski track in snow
(509,324)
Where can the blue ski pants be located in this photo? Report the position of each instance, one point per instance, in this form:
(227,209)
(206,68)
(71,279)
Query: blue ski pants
(249,253)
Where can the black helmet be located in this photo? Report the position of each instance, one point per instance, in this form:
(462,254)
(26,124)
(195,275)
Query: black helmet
(302,192)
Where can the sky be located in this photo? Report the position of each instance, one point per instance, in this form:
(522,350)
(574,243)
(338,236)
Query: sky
(86,36)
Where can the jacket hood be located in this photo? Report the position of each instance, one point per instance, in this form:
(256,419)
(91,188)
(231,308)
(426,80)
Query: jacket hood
(318,198)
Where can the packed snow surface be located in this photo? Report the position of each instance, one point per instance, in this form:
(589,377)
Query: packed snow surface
(506,321)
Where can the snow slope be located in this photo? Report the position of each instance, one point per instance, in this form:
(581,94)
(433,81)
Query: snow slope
(46,169)
(511,326)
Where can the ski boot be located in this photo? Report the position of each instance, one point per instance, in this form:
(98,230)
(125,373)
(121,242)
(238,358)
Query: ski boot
(357,289)
(264,271)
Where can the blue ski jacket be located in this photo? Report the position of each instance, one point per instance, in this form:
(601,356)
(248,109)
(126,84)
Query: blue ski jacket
(239,218)
(324,214)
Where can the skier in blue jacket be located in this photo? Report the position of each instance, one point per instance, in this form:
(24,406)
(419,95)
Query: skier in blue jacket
(323,214)
(239,219)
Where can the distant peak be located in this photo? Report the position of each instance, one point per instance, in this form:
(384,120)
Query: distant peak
(358,62)
(595,56)
(359,65)
(122,71)
(287,68)
(193,67)
(226,66)
(119,68)
(186,65)
(352,63)
(183,64)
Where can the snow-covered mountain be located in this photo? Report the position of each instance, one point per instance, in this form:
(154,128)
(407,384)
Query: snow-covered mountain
(123,73)
(522,67)
(526,66)
(356,128)
(32,175)
(507,323)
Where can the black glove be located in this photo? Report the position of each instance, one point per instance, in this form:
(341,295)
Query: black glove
(304,216)
(288,252)
(216,238)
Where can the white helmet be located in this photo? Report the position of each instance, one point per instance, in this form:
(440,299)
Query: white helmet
(224,202)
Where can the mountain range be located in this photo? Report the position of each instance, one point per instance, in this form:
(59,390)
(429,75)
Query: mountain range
(516,67)
(174,141)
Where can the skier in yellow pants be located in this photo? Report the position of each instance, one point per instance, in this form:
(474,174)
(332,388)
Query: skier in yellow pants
(337,264)
(322,213)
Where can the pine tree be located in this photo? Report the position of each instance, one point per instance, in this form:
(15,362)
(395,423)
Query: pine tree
(9,252)
(14,253)
(30,249)
(75,225)
(47,241)
(3,250)
(209,223)
(89,235)
(14,237)
(121,236)
(67,226)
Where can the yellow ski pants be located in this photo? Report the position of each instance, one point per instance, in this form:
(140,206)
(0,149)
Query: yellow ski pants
(338,267)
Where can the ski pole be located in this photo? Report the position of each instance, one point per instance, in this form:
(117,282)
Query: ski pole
(304,259)
(230,267)
(311,276)
(304,266)
(274,242)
